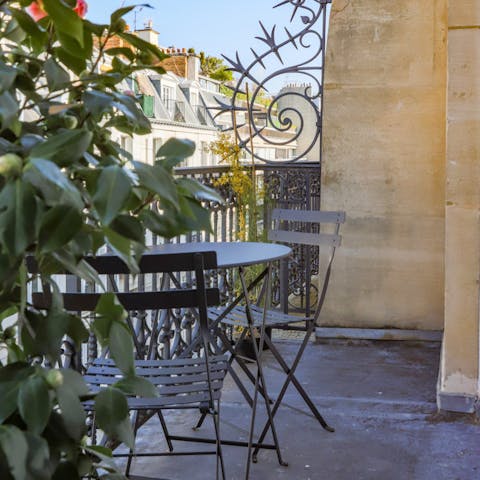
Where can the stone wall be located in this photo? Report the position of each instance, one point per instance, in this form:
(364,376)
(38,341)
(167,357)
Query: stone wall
(459,385)
(384,161)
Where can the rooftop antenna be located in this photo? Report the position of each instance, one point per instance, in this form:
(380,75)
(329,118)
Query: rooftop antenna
(137,9)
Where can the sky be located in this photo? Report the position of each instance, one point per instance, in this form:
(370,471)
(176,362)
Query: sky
(213,26)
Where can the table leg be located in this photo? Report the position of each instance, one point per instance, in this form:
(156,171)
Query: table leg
(260,378)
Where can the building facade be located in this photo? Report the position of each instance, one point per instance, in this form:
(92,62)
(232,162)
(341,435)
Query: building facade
(182,103)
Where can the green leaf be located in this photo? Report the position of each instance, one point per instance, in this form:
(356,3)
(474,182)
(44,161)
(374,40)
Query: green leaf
(72,411)
(139,386)
(7,76)
(63,148)
(113,190)
(108,310)
(65,19)
(34,403)
(11,377)
(142,45)
(74,381)
(124,248)
(97,28)
(121,12)
(35,33)
(176,148)
(130,107)
(59,225)
(38,460)
(72,47)
(158,180)
(7,312)
(164,225)
(82,269)
(13,32)
(199,191)
(129,227)
(55,187)
(111,413)
(48,333)
(8,109)
(18,217)
(193,216)
(57,77)
(15,353)
(15,449)
(66,469)
(98,103)
(77,331)
(121,51)
(121,347)
(102,455)
(76,64)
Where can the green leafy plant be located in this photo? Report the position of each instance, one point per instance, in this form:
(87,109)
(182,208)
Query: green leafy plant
(67,189)
(215,68)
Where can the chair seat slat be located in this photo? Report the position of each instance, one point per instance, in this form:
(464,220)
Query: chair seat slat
(157,371)
(163,363)
(308,216)
(132,301)
(304,238)
(158,380)
(166,401)
(238,317)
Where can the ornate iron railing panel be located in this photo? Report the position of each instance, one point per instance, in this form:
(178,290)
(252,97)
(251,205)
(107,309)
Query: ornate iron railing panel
(294,115)
(166,334)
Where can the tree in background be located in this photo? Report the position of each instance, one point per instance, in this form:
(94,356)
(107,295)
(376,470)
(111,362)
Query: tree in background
(215,68)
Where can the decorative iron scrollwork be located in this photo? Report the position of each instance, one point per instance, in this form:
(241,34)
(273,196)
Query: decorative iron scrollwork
(294,116)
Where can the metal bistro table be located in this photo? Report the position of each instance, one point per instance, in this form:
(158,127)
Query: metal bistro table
(240,255)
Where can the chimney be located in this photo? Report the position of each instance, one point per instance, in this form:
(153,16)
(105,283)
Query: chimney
(148,33)
(193,67)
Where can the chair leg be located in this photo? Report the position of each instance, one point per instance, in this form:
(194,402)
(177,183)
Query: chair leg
(165,430)
(130,452)
(260,384)
(216,423)
(243,366)
(233,374)
(291,379)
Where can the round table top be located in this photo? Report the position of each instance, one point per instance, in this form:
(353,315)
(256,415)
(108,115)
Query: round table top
(229,254)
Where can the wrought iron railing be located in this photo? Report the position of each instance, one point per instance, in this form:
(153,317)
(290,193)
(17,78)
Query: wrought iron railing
(167,334)
(285,186)
(290,183)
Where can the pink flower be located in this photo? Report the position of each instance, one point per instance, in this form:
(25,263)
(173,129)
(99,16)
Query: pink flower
(37,11)
(81,8)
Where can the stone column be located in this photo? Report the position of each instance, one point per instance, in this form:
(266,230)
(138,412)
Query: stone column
(459,378)
(384,161)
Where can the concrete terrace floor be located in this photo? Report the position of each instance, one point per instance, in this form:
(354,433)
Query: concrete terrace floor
(379,397)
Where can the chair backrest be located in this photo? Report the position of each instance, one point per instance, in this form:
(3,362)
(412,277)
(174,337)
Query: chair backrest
(304,228)
(286,227)
(197,296)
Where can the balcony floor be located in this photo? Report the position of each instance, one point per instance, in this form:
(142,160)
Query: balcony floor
(380,398)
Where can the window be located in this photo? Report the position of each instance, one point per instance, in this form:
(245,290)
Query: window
(157,143)
(194,99)
(204,154)
(127,144)
(167,97)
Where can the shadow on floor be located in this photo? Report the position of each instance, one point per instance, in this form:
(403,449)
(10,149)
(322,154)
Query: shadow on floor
(379,397)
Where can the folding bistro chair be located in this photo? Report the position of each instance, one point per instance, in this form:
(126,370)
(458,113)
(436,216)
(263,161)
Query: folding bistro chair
(181,383)
(294,227)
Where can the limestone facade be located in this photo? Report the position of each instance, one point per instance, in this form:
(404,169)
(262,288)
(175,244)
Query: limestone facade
(384,161)
(401,157)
